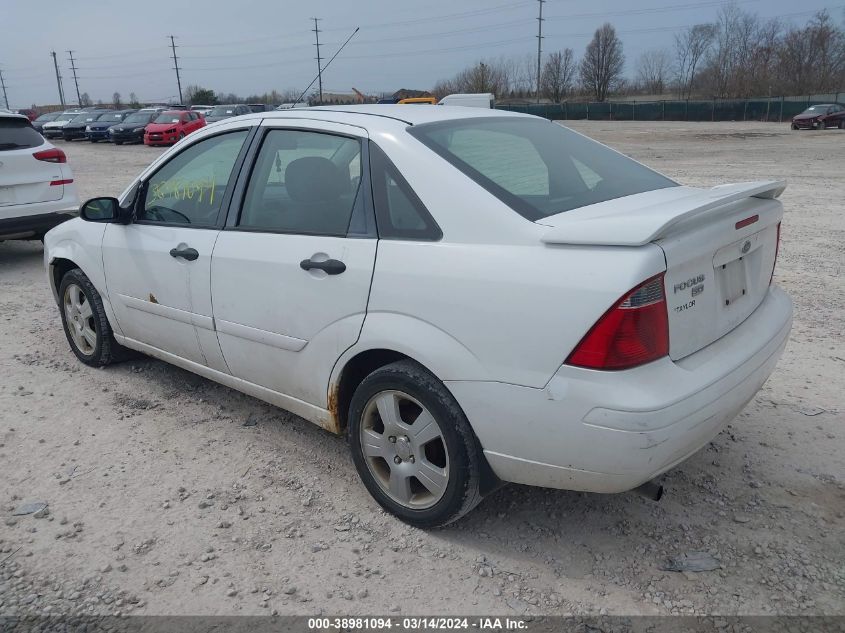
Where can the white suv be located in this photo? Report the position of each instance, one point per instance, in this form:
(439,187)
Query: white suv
(37,191)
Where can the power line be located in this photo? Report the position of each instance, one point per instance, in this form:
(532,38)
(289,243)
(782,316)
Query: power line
(539,46)
(58,78)
(176,66)
(3,84)
(75,79)
(319,61)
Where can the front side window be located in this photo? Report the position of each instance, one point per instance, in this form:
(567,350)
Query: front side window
(303,182)
(537,167)
(189,189)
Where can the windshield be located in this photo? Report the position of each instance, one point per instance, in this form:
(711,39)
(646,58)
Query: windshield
(166,117)
(537,167)
(222,111)
(85,118)
(17,133)
(52,116)
(140,117)
(817,109)
(111,116)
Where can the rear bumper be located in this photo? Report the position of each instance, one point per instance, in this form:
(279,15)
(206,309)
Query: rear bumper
(611,431)
(31,226)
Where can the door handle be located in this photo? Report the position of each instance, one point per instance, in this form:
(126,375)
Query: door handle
(329,266)
(185,253)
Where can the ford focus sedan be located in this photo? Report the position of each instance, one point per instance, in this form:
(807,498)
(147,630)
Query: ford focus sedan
(471,297)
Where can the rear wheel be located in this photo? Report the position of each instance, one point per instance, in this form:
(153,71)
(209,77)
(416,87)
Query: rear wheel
(413,446)
(85,323)
(822,124)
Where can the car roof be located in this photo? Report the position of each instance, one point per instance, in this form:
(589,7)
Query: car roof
(370,116)
(12,115)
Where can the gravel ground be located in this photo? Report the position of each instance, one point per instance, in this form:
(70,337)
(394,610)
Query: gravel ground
(169,494)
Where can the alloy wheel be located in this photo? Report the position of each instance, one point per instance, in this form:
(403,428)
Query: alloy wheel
(80,319)
(404,449)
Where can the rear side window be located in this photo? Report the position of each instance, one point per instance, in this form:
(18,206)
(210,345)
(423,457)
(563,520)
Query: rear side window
(303,182)
(399,212)
(537,167)
(18,133)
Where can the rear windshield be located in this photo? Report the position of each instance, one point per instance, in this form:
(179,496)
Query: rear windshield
(18,133)
(537,167)
(222,111)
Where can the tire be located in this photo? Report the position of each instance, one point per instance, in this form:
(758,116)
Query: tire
(794,127)
(448,459)
(842,124)
(93,343)
(822,125)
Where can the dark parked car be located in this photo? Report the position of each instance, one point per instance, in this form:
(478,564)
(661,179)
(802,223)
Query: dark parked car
(131,129)
(99,130)
(820,117)
(76,127)
(220,112)
(38,124)
(257,107)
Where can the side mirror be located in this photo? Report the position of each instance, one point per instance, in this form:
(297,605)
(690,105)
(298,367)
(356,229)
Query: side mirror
(100,210)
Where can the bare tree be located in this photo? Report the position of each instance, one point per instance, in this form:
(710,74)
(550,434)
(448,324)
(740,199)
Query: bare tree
(133,100)
(115,99)
(690,48)
(84,99)
(601,68)
(558,74)
(653,68)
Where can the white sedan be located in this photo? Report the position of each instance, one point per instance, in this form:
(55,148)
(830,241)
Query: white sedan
(471,296)
(37,191)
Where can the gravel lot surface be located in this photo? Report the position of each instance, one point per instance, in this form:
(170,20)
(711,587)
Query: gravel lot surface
(170,494)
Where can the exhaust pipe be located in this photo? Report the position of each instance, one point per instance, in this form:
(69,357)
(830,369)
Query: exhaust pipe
(650,490)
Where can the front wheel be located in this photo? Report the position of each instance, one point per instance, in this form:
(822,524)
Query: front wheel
(413,446)
(85,323)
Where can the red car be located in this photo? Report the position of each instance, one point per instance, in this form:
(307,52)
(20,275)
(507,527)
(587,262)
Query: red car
(820,117)
(28,113)
(170,126)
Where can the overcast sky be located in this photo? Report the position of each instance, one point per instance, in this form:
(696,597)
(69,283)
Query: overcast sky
(253,46)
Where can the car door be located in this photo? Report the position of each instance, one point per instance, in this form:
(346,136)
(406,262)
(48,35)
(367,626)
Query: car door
(157,267)
(291,272)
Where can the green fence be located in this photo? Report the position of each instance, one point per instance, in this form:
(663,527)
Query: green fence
(775,109)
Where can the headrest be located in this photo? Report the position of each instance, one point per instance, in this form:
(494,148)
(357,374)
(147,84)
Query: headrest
(314,179)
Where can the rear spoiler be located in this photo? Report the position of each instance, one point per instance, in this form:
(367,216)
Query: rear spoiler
(653,222)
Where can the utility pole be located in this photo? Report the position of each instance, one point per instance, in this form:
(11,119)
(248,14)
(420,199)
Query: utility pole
(316,30)
(176,67)
(539,45)
(75,80)
(5,96)
(58,79)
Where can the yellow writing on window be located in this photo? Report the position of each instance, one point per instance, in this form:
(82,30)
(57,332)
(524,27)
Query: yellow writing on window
(198,190)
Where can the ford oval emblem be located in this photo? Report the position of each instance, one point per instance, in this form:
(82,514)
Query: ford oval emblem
(746,247)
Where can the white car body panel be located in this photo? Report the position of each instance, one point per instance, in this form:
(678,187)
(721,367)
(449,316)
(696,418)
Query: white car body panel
(492,309)
(475,100)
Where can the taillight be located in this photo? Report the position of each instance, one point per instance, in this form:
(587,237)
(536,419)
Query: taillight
(54,155)
(777,250)
(633,332)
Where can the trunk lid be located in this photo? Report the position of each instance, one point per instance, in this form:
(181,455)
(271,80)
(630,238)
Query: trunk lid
(720,246)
